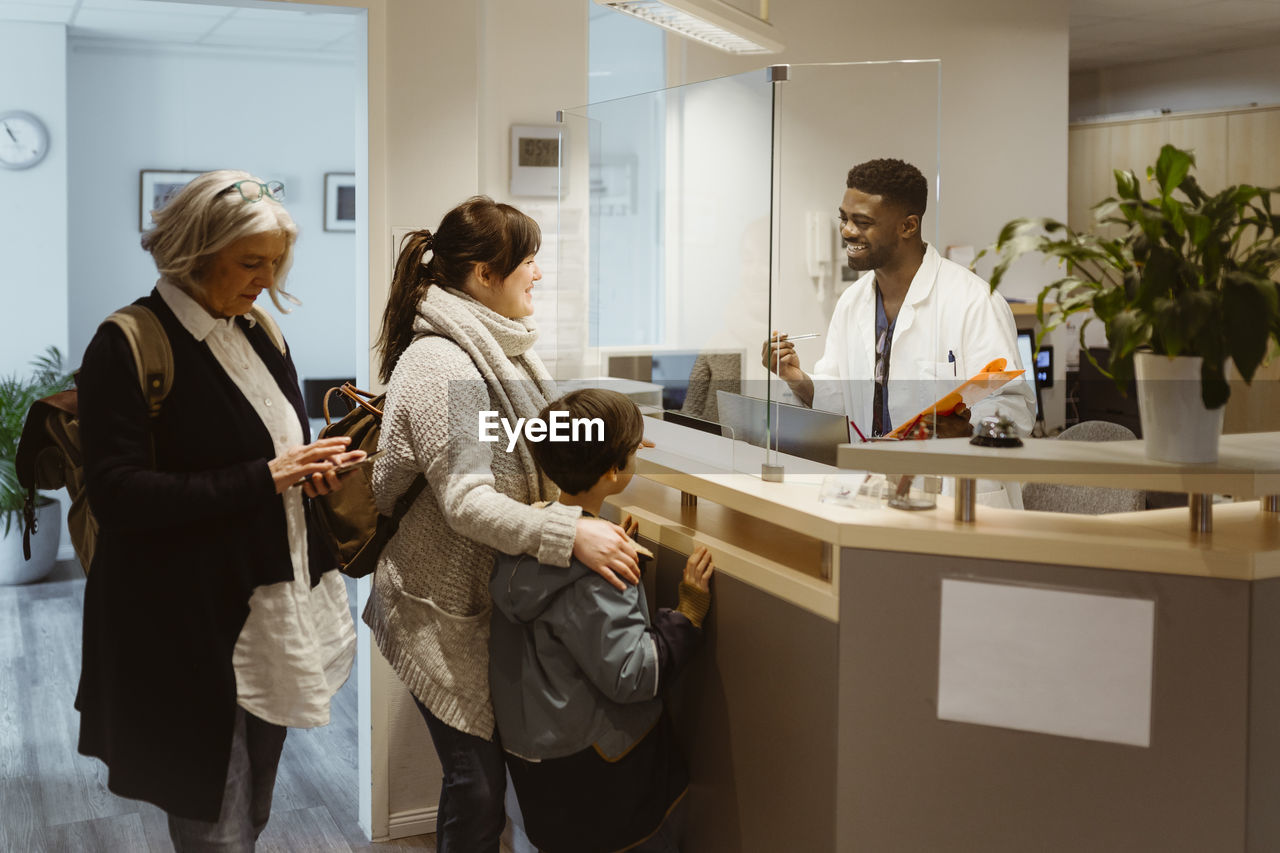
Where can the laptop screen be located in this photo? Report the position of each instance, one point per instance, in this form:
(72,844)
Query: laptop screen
(808,433)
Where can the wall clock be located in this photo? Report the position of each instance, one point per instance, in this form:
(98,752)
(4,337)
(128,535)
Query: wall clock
(24,140)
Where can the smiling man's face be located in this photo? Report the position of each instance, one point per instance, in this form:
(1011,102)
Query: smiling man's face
(871,228)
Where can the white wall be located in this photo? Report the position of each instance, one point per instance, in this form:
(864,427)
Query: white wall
(137,107)
(33,202)
(1225,79)
(533,63)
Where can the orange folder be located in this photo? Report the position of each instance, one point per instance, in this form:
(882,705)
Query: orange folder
(981,385)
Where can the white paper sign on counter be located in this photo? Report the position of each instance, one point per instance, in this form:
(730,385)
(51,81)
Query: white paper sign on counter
(1046,660)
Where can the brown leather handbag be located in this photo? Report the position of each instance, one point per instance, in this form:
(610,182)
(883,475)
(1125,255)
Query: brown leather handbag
(349,516)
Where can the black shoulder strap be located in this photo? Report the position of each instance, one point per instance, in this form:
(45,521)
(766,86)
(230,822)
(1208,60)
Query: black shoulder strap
(410,495)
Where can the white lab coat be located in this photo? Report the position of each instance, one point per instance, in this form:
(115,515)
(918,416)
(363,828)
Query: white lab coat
(947,311)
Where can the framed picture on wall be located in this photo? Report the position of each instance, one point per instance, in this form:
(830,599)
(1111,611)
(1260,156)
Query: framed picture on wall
(339,201)
(155,190)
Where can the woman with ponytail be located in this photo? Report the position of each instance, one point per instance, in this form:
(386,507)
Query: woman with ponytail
(456,340)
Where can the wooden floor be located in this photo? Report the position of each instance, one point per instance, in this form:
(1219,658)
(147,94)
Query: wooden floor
(54,799)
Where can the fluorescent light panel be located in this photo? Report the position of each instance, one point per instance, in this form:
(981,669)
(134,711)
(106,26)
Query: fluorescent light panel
(711,22)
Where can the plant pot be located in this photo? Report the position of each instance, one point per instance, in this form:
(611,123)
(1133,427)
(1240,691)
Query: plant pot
(44,547)
(1176,427)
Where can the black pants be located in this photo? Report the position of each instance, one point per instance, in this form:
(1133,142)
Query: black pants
(246,799)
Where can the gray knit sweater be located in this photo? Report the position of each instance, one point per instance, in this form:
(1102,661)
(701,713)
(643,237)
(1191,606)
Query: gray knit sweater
(429,611)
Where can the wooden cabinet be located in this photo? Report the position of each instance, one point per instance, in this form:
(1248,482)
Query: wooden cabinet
(1231,147)
(1253,147)
(1088,172)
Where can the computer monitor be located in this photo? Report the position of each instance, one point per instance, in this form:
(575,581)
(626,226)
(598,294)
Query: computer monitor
(1043,359)
(1039,366)
(1026,352)
(1098,398)
(799,431)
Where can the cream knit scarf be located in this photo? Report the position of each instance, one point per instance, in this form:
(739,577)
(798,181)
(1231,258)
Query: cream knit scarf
(496,344)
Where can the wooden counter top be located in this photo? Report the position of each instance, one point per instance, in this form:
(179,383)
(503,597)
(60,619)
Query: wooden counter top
(1245,544)
(1248,464)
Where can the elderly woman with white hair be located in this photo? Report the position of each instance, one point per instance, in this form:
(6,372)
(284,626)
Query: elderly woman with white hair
(213,618)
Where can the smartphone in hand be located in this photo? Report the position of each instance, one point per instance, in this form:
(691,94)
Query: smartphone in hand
(351,466)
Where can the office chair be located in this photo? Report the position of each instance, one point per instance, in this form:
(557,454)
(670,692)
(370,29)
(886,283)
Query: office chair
(712,372)
(1085,500)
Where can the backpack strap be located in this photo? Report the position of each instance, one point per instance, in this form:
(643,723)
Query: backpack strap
(152,354)
(269,325)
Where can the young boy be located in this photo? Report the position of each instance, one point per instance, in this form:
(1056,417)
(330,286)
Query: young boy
(576,667)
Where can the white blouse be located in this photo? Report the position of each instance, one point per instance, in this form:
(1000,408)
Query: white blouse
(298,644)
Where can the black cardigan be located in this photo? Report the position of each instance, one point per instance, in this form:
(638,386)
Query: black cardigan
(180,549)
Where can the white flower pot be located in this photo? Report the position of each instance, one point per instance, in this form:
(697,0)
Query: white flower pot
(1176,427)
(44,547)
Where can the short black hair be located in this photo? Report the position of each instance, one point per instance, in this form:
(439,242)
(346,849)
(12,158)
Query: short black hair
(577,465)
(898,182)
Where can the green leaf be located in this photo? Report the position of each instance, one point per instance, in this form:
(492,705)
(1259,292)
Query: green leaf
(1159,276)
(1199,308)
(1191,189)
(1106,207)
(1121,367)
(1087,352)
(1127,185)
(1016,226)
(1248,309)
(1214,389)
(1198,227)
(1171,167)
(1172,209)
(1169,332)
(1127,331)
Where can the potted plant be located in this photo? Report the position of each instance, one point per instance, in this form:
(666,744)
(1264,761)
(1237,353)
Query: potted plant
(17,393)
(1185,286)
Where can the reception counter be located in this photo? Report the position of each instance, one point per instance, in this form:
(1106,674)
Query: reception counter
(851,696)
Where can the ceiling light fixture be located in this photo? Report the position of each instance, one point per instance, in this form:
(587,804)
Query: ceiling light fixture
(711,22)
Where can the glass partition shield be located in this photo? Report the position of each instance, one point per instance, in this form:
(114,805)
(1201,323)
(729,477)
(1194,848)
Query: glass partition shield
(697,220)
(675,239)
(873,352)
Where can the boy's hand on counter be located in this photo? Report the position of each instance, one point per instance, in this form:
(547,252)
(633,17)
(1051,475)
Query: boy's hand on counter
(630,525)
(699,568)
(695,586)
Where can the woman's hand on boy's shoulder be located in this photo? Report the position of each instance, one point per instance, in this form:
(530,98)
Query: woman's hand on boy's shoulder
(605,548)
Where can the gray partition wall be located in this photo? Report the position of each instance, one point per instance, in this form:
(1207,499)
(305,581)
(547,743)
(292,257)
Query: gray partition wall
(755,712)
(908,781)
